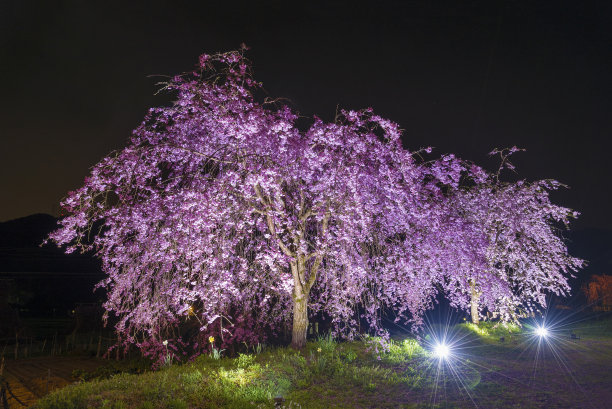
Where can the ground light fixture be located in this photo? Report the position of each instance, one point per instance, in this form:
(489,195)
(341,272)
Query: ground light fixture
(541,331)
(441,351)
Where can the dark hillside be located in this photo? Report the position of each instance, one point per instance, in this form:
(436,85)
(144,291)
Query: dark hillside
(43,280)
(21,250)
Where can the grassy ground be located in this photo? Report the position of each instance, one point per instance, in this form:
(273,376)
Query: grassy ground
(520,371)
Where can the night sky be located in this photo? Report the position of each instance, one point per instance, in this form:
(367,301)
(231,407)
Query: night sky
(462,76)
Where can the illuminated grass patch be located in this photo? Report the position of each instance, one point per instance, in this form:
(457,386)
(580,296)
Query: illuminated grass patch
(492,332)
(331,374)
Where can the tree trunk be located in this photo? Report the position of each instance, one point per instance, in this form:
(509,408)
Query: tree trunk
(474,303)
(300,321)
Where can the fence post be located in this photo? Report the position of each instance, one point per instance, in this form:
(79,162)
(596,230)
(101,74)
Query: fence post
(5,404)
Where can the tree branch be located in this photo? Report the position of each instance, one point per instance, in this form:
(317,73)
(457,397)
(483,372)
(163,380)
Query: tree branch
(270,222)
(319,258)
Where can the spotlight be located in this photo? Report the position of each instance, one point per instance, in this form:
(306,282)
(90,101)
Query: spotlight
(541,332)
(441,351)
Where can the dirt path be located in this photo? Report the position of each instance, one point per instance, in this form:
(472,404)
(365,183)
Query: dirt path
(30,379)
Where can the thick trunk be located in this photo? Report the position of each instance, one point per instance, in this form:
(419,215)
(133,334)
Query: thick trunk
(302,278)
(300,321)
(474,303)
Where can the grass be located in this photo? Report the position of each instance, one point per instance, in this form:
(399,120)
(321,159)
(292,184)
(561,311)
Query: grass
(483,372)
(493,332)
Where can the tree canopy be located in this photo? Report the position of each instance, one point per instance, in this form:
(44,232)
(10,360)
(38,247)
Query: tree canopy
(222,209)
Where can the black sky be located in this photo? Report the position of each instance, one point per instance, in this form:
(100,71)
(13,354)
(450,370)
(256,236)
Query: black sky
(462,76)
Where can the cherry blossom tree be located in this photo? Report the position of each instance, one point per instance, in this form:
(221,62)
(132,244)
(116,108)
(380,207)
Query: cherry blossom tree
(220,208)
(509,250)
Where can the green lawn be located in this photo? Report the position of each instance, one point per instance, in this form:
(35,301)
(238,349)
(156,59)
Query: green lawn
(483,372)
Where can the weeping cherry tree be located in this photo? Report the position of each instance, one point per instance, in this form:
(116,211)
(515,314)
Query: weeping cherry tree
(509,251)
(220,207)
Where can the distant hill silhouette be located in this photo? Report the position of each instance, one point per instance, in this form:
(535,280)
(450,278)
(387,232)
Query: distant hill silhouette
(40,281)
(27,231)
(20,248)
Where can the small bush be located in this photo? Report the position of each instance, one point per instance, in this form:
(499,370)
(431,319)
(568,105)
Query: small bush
(402,351)
(349,356)
(244,360)
(326,344)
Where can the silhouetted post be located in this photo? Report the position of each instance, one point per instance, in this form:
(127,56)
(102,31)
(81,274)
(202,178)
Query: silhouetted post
(53,352)
(16,344)
(2,390)
(5,404)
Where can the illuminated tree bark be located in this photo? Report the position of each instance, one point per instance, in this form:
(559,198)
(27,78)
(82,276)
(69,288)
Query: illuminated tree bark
(474,296)
(300,321)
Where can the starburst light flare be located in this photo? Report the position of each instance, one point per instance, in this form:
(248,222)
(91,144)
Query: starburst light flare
(542,332)
(442,351)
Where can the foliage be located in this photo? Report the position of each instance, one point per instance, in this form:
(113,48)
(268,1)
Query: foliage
(403,351)
(326,343)
(216,353)
(599,290)
(245,360)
